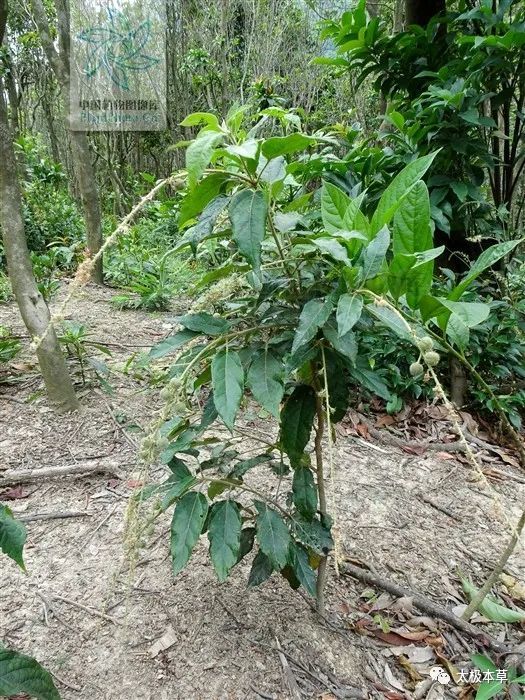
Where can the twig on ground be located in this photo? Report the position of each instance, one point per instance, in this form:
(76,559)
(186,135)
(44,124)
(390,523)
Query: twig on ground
(439,507)
(22,476)
(66,684)
(427,606)
(291,682)
(51,516)
(86,608)
(101,523)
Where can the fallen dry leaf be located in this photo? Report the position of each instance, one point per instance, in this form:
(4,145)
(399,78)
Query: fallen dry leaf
(167,640)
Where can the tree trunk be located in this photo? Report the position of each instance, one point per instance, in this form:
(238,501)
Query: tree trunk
(421,11)
(80,152)
(33,308)
(458,383)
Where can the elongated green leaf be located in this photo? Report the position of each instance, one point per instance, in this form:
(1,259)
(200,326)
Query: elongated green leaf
(200,196)
(471,313)
(398,272)
(171,343)
(180,481)
(488,690)
(198,118)
(345,345)
(245,465)
(297,417)
(283,145)
(304,492)
(204,323)
(332,247)
(334,205)
(247,541)
(483,663)
(272,534)
(248,211)
(313,316)
(398,189)
(488,258)
(374,254)
(198,155)
(227,376)
(491,609)
(186,526)
(12,536)
(261,570)
(204,226)
(22,674)
(413,234)
(390,319)
(353,218)
(299,562)
(224,534)
(265,380)
(349,308)
(313,534)
(371,381)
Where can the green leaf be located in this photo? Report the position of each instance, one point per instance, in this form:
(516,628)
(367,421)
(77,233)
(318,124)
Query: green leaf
(227,376)
(299,562)
(492,610)
(313,534)
(171,343)
(22,674)
(346,345)
(204,226)
(471,313)
(12,536)
(224,534)
(180,481)
(398,189)
(248,212)
(488,690)
(483,663)
(304,492)
(371,381)
(398,272)
(261,570)
(413,234)
(332,247)
(390,319)
(374,254)
(204,323)
(313,316)
(201,195)
(272,534)
(186,526)
(297,417)
(283,145)
(199,153)
(247,540)
(488,258)
(265,380)
(198,118)
(349,308)
(334,205)
(245,465)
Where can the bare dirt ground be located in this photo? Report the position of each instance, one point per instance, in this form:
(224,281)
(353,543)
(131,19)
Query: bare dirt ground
(94,621)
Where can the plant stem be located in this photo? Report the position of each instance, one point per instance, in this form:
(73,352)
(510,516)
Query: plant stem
(322,570)
(496,573)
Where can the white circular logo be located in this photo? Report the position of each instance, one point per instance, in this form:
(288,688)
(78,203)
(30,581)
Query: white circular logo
(437,673)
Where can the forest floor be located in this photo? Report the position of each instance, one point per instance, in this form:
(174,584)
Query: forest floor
(106,629)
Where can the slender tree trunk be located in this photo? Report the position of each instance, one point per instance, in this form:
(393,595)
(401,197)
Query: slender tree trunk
(421,11)
(33,308)
(80,151)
